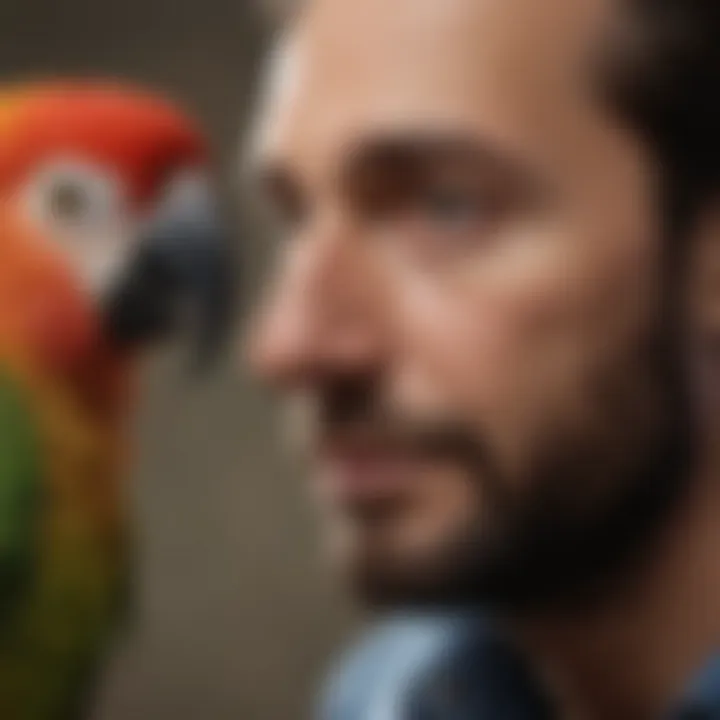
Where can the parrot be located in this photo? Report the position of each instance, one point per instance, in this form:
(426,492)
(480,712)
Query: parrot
(111,241)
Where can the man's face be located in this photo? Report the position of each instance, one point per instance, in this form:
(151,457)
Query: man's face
(468,303)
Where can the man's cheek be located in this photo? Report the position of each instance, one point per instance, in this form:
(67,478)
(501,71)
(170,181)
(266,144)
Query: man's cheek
(468,361)
(505,364)
(453,356)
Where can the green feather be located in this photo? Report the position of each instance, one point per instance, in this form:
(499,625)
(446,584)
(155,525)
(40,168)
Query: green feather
(20,494)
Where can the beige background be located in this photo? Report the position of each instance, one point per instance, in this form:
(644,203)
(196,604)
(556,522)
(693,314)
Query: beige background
(234,617)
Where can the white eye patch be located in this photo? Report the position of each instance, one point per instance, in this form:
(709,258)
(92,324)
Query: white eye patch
(82,206)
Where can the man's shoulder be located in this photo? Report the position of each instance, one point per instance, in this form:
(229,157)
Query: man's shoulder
(453,667)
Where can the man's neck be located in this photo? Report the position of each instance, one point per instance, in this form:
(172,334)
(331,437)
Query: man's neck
(630,657)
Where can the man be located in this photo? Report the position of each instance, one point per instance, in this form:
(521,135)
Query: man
(498,305)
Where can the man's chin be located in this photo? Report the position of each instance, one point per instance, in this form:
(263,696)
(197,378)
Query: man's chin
(383,574)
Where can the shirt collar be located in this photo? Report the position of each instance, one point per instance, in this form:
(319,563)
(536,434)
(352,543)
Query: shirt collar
(488,675)
(701,700)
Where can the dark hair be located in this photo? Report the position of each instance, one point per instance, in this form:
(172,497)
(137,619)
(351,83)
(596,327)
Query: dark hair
(663,68)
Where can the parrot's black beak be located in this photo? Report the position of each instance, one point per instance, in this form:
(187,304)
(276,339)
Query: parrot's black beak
(183,274)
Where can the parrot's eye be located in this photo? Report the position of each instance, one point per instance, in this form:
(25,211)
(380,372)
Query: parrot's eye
(84,207)
(68,202)
(74,196)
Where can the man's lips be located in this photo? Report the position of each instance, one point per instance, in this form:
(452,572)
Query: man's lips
(362,473)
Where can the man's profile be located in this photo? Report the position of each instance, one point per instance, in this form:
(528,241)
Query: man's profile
(498,304)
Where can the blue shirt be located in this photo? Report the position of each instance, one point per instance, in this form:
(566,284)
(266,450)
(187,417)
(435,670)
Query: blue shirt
(456,668)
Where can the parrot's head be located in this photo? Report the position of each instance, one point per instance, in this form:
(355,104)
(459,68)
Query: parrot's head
(108,227)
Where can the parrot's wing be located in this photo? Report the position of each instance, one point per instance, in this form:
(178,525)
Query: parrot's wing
(19,491)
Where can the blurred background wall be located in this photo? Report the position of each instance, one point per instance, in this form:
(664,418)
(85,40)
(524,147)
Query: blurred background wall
(235,617)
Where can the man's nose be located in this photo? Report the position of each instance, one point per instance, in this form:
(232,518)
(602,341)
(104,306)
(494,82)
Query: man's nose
(322,313)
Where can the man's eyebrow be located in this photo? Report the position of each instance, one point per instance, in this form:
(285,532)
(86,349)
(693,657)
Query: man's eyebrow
(418,151)
(398,155)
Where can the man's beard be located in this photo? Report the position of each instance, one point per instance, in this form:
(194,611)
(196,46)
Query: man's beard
(595,493)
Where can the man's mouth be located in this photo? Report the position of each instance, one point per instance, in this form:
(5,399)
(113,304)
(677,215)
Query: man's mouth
(365,467)
(358,474)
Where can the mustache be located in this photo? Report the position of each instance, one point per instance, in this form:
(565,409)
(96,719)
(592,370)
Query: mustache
(355,414)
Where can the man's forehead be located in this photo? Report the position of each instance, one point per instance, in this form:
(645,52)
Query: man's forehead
(349,67)
(326,21)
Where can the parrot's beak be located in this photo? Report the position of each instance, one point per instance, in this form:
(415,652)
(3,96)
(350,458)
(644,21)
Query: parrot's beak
(181,276)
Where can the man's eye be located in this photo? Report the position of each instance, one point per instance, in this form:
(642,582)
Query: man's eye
(452,207)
